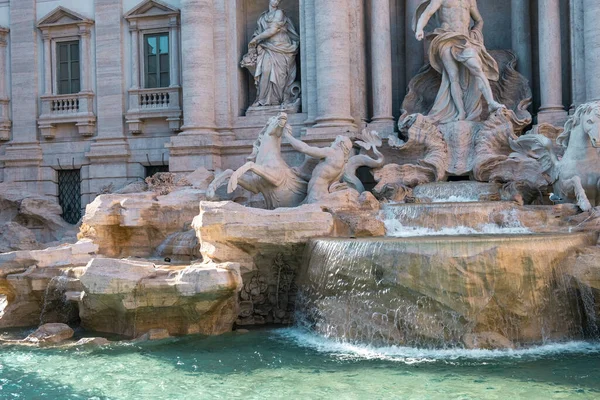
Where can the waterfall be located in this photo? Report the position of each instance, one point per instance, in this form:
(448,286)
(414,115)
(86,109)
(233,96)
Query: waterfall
(406,220)
(56,308)
(432,291)
(588,302)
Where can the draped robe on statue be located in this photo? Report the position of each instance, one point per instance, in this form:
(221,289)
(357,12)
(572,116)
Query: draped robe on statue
(276,63)
(462,48)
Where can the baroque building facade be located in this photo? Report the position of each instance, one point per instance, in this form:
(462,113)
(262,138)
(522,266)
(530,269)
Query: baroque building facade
(96,94)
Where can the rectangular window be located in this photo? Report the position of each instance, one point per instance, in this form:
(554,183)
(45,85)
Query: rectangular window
(69,194)
(156,56)
(68,67)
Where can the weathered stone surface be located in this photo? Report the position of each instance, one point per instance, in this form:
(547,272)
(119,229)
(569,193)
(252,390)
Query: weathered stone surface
(130,297)
(136,224)
(229,231)
(28,221)
(25,277)
(14,236)
(51,334)
(67,255)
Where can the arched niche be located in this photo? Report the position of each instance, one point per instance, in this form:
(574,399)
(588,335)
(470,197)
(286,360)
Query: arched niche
(248,13)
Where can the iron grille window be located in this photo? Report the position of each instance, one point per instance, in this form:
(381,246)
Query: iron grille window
(156,54)
(69,194)
(154,169)
(68,67)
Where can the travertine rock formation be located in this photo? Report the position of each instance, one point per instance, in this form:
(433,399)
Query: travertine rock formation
(28,221)
(28,279)
(136,224)
(131,297)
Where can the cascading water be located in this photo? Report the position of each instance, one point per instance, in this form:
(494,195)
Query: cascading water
(407,220)
(434,291)
(56,308)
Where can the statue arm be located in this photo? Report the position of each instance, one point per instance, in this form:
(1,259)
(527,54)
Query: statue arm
(273,29)
(302,147)
(431,9)
(476,15)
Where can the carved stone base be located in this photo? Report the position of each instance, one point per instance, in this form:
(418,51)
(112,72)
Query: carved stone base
(270,111)
(460,139)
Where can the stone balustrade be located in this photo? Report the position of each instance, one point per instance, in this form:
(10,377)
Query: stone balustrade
(154,103)
(77,108)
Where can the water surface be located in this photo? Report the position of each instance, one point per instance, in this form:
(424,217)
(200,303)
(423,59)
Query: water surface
(294,364)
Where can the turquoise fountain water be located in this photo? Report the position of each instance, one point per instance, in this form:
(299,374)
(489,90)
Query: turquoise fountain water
(293,364)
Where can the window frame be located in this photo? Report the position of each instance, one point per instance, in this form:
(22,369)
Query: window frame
(57,63)
(144,57)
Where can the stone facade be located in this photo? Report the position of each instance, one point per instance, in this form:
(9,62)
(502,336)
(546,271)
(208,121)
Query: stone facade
(355,61)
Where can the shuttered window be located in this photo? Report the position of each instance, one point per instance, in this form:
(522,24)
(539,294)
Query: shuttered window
(68,69)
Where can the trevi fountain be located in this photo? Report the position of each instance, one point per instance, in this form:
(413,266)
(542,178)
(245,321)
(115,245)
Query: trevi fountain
(454,256)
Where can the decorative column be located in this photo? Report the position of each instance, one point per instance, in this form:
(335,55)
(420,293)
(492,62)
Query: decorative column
(521,36)
(197,38)
(551,110)
(381,67)
(23,154)
(5,123)
(174,51)
(578,74)
(415,51)
(135,55)
(309,83)
(47,62)
(332,29)
(86,59)
(109,153)
(592,48)
(198,145)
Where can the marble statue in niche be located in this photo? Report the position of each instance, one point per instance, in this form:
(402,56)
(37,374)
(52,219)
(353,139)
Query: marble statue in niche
(458,53)
(271,59)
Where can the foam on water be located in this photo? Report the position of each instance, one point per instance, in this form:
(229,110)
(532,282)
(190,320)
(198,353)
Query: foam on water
(394,228)
(411,355)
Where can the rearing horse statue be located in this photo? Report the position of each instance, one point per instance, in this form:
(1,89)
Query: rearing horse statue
(266,171)
(575,176)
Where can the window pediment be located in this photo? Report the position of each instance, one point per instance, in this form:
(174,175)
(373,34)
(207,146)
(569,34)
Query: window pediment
(151,9)
(62,17)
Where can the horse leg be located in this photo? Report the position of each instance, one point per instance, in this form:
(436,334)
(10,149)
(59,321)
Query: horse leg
(271,175)
(574,186)
(235,177)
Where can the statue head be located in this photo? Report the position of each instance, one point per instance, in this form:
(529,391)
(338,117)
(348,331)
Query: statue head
(274,3)
(344,143)
(587,116)
(276,124)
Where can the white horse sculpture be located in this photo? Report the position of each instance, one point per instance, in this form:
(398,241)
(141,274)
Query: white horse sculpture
(575,176)
(266,171)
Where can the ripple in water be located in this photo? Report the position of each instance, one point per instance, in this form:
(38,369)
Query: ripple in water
(410,355)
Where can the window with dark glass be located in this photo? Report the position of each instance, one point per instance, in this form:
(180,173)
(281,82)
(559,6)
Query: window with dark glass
(68,67)
(156,55)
